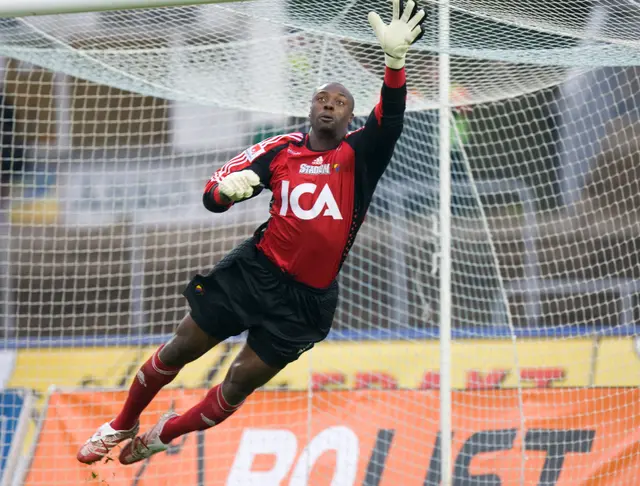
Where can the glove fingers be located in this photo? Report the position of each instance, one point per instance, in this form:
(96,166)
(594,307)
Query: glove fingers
(253,178)
(239,185)
(416,34)
(224,188)
(376,24)
(408,10)
(233,189)
(244,190)
(241,189)
(228,192)
(416,19)
(396,10)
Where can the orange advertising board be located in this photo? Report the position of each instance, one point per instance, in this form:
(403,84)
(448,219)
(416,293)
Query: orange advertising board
(569,436)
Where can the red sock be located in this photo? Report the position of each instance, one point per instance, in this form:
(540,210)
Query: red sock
(151,377)
(212,410)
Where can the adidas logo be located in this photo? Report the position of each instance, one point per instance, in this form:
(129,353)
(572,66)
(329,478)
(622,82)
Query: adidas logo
(207,420)
(307,347)
(141,378)
(317,161)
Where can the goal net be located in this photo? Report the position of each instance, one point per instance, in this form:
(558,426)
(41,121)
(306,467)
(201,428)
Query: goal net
(112,123)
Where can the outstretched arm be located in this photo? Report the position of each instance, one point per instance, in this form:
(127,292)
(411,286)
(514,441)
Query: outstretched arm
(377,139)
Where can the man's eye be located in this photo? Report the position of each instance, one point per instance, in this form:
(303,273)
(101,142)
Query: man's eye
(340,102)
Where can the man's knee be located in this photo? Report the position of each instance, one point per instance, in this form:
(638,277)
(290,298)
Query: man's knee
(241,381)
(187,344)
(247,373)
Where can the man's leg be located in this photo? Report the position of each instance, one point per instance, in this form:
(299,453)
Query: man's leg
(247,372)
(187,344)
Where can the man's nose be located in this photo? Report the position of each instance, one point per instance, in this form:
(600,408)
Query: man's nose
(328,105)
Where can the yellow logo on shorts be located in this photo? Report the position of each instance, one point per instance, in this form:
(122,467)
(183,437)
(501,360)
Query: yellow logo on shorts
(199,289)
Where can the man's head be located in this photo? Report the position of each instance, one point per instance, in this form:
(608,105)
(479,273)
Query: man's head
(331,110)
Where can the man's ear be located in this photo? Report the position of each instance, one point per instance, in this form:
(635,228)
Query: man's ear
(351,118)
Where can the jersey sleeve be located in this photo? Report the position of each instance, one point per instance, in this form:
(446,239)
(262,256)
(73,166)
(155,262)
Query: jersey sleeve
(376,140)
(257,158)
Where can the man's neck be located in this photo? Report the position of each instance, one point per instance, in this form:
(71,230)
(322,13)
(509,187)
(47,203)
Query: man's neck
(318,143)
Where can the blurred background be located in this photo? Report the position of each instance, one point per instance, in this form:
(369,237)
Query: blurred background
(111,124)
(101,187)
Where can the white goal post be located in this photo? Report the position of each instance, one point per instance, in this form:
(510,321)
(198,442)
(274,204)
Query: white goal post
(487,331)
(444,156)
(28,8)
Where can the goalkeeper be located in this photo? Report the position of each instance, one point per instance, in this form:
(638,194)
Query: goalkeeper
(280,285)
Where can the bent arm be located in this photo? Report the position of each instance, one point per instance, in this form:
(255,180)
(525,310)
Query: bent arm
(215,201)
(257,159)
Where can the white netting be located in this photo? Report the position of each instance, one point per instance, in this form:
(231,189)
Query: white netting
(114,121)
(209,54)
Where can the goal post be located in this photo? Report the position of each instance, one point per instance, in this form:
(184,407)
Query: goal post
(487,330)
(444,155)
(29,8)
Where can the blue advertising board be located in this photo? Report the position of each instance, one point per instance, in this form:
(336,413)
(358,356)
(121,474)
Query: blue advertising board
(11,404)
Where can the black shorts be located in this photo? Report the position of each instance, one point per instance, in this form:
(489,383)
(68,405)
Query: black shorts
(245,291)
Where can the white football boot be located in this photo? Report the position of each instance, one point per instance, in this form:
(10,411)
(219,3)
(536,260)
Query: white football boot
(105,439)
(147,444)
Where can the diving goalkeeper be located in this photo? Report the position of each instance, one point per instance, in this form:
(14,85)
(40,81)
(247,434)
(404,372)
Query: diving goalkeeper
(280,285)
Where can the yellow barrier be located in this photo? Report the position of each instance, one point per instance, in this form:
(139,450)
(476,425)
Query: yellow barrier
(108,367)
(618,362)
(413,365)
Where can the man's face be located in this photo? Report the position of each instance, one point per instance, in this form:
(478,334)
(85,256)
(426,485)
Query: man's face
(331,110)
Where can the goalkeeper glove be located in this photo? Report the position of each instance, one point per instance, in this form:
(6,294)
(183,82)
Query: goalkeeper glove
(238,185)
(396,37)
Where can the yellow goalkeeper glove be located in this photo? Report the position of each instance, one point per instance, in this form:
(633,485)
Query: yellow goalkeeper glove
(396,37)
(238,185)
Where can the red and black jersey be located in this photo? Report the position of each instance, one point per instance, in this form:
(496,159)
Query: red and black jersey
(319,198)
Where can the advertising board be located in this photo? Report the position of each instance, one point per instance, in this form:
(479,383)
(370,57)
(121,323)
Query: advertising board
(582,436)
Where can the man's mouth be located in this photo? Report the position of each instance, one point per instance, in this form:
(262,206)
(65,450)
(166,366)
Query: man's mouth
(326,118)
